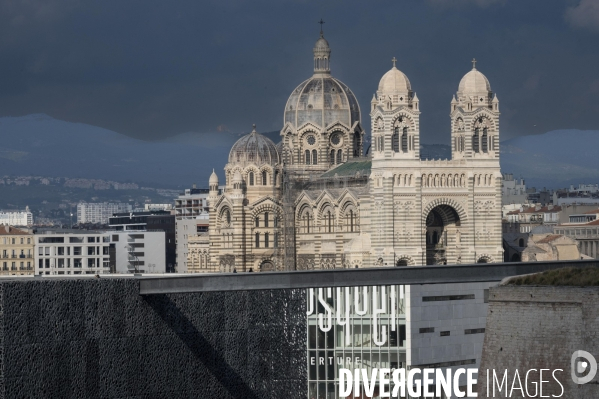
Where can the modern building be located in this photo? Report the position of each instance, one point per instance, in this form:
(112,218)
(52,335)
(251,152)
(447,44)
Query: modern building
(157,207)
(584,228)
(16,218)
(192,219)
(99,212)
(16,250)
(525,219)
(150,221)
(316,200)
(423,326)
(68,251)
(513,191)
(139,251)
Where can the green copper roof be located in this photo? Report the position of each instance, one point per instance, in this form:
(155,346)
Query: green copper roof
(350,169)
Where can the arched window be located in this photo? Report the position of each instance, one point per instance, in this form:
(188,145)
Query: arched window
(332,157)
(351,220)
(475,140)
(276,222)
(404,140)
(330,221)
(257,222)
(257,240)
(314,157)
(228,216)
(484,141)
(395,140)
(356,144)
(307,222)
(307,157)
(339,156)
(435,238)
(264,178)
(275,242)
(251,178)
(521,242)
(266,243)
(276,182)
(265,219)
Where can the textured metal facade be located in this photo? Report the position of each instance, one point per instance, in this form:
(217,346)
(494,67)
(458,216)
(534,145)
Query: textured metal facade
(98,338)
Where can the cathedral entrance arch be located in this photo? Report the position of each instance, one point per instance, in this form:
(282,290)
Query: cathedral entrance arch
(443,236)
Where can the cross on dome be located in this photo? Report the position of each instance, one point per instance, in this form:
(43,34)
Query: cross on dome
(321,22)
(394,60)
(474,63)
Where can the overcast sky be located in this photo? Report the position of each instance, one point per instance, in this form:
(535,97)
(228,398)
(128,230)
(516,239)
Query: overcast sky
(153,69)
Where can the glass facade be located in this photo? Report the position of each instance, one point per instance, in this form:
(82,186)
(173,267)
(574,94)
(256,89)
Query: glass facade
(353,328)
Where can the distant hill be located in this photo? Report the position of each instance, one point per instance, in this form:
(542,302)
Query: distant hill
(553,159)
(40,145)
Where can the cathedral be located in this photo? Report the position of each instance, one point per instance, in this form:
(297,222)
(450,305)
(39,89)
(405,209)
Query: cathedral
(319,199)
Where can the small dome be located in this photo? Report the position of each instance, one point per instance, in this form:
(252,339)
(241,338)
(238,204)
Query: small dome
(322,44)
(213,178)
(394,82)
(474,83)
(254,148)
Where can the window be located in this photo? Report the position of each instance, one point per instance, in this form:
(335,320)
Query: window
(314,157)
(91,250)
(22,241)
(265,219)
(76,250)
(91,239)
(276,177)
(13,241)
(332,159)
(266,240)
(276,240)
(251,178)
(395,140)
(115,237)
(5,266)
(40,251)
(351,220)
(444,333)
(60,262)
(339,156)
(484,141)
(330,221)
(264,178)
(91,262)
(475,141)
(257,222)
(307,157)
(257,240)
(13,266)
(60,251)
(46,250)
(404,140)
(427,330)
(28,265)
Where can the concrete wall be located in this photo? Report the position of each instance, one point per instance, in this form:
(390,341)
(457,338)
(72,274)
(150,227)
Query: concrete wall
(92,338)
(540,328)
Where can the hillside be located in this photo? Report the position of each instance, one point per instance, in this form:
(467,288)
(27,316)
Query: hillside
(43,146)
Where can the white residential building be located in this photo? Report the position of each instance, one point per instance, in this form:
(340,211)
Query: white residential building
(139,251)
(16,218)
(191,219)
(99,212)
(72,252)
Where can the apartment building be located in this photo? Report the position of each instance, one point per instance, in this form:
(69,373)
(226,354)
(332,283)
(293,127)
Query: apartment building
(99,212)
(16,250)
(139,251)
(16,218)
(191,219)
(72,252)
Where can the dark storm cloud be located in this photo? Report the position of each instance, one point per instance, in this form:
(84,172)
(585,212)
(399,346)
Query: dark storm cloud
(152,69)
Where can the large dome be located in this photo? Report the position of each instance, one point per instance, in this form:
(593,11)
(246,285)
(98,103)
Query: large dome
(474,83)
(254,148)
(322,100)
(394,82)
